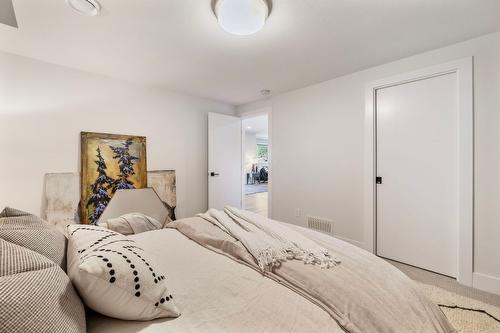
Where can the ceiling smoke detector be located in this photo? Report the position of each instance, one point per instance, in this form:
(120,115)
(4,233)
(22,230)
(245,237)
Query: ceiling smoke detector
(242,17)
(85,7)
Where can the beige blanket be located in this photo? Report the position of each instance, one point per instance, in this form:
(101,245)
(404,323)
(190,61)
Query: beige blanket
(270,243)
(363,294)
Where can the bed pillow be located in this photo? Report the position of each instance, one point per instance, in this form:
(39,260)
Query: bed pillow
(32,232)
(132,223)
(35,294)
(115,277)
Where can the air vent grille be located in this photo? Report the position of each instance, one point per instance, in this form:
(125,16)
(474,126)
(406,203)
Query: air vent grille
(320,224)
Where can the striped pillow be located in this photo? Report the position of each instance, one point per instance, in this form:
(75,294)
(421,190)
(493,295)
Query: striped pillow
(35,294)
(32,232)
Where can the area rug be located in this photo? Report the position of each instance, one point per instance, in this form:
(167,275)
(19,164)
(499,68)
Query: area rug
(467,315)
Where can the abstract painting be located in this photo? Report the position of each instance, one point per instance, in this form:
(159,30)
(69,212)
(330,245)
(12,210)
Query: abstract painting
(110,162)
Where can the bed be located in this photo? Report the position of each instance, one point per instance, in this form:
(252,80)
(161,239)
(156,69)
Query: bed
(217,293)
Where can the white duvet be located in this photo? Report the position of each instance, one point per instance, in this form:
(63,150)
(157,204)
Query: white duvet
(230,298)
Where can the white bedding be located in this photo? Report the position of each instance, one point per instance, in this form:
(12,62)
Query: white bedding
(231,298)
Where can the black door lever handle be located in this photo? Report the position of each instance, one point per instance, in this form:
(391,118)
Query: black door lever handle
(378,180)
(213,174)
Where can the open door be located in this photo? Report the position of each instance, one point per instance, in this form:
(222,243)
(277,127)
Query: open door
(224,161)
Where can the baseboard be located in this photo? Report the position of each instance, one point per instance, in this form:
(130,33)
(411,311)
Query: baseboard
(352,241)
(486,282)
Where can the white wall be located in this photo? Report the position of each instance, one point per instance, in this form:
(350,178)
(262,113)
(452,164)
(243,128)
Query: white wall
(318,133)
(43,108)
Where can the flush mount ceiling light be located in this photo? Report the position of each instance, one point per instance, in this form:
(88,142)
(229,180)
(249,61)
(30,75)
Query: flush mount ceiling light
(85,7)
(242,17)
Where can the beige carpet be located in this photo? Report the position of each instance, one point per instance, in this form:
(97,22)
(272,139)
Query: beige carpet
(446,283)
(447,291)
(465,321)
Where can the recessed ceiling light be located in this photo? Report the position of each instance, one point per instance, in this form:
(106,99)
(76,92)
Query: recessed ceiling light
(249,127)
(85,7)
(242,17)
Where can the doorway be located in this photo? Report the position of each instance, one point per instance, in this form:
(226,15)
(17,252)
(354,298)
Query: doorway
(256,159)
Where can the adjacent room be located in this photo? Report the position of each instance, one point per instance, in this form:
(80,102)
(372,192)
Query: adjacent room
(256,164)
(244,166)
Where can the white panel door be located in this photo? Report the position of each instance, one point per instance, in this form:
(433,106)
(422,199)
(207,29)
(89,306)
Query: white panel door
(224,161)
(417,158)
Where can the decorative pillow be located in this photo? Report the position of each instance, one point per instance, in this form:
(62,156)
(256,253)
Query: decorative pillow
(116,277)
(32,232)
(133,223)
(35,294)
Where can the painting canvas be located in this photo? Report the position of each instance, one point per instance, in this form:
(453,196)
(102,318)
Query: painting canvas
(110,162)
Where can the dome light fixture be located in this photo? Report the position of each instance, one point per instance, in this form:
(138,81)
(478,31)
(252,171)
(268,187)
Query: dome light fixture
(242,17)
(85,7)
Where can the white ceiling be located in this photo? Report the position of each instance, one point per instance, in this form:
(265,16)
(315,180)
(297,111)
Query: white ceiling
(178,45)
(257,125)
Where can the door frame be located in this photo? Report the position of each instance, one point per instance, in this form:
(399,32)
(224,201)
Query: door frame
(464,71)
(267,110)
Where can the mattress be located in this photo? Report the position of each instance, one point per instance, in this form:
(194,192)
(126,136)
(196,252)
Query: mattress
(230,298)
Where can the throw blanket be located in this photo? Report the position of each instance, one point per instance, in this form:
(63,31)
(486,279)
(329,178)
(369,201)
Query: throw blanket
(364,294)
(133,223)
(269,243)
